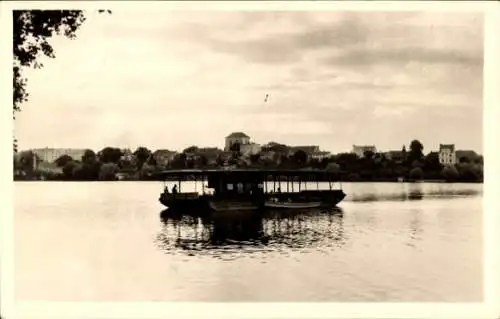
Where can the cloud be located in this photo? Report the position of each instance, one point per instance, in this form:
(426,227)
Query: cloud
(285,47)
(171,79)
(401,56)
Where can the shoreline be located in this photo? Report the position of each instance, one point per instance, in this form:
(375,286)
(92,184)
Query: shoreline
(340,181)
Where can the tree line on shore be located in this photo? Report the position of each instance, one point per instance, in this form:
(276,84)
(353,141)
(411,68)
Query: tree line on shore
(107,163)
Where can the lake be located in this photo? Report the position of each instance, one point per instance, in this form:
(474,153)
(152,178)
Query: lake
(111,241)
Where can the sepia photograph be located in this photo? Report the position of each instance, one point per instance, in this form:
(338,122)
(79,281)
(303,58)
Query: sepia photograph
(247,154)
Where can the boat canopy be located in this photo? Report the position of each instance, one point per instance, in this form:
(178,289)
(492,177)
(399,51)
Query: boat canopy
(247,174)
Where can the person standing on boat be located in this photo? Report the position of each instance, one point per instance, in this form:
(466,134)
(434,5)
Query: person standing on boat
(165,190)
(174,190)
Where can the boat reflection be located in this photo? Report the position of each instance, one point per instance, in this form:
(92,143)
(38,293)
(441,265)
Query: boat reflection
(249,231)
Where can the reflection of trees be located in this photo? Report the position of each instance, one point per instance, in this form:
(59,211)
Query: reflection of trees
(415,192)
(250,230)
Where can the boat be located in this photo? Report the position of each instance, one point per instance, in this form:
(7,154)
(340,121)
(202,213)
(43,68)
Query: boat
(227,205)
(250,189)
(291,205)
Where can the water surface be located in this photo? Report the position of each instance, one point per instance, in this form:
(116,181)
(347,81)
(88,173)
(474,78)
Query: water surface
(113,242)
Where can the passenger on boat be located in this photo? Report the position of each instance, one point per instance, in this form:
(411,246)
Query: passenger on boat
(165,190)
(174,190)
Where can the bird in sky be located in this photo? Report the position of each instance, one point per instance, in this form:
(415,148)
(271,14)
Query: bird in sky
(266,98)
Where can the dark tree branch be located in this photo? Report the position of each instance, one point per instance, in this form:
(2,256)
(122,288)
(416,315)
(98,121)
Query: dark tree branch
(31,31)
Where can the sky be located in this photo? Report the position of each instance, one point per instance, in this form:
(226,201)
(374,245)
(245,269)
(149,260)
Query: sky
(172,79)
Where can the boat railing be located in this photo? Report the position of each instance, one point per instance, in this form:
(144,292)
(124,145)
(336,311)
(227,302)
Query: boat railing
(181,196)
(325,191)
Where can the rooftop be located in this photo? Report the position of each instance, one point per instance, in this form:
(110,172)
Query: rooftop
(321,153)
(466,153)
(237,135)
(164,151)
(208,149)
(305,148)
(447,147)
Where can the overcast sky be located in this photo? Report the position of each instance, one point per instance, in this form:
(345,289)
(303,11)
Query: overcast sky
(175,79)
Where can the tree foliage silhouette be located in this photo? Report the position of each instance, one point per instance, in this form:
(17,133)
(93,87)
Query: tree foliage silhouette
(416,150)
(110,155)
(63,160)
(142,155)
(299,158)
(32,30)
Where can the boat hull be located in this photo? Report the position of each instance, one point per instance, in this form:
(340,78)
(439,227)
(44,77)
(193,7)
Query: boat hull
(288,205)
(232,205)
(305,199)
(299,200)
(181,201)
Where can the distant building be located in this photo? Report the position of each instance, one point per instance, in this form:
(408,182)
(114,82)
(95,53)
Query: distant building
(360,150)
(128,157)
(271,144)
(236,138)
(469,155)
(276,147)
(226,155)
(312,151)
(208,150)
(250,149)
(49,155)
(50,168)
(395,156)
(191,156)
(210,153)
(447,155)
(432,155)
(267,155)
(164,157)
(320,155)
(309,149)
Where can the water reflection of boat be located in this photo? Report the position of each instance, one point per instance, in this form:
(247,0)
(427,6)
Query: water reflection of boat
(248,230)
(248,189)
